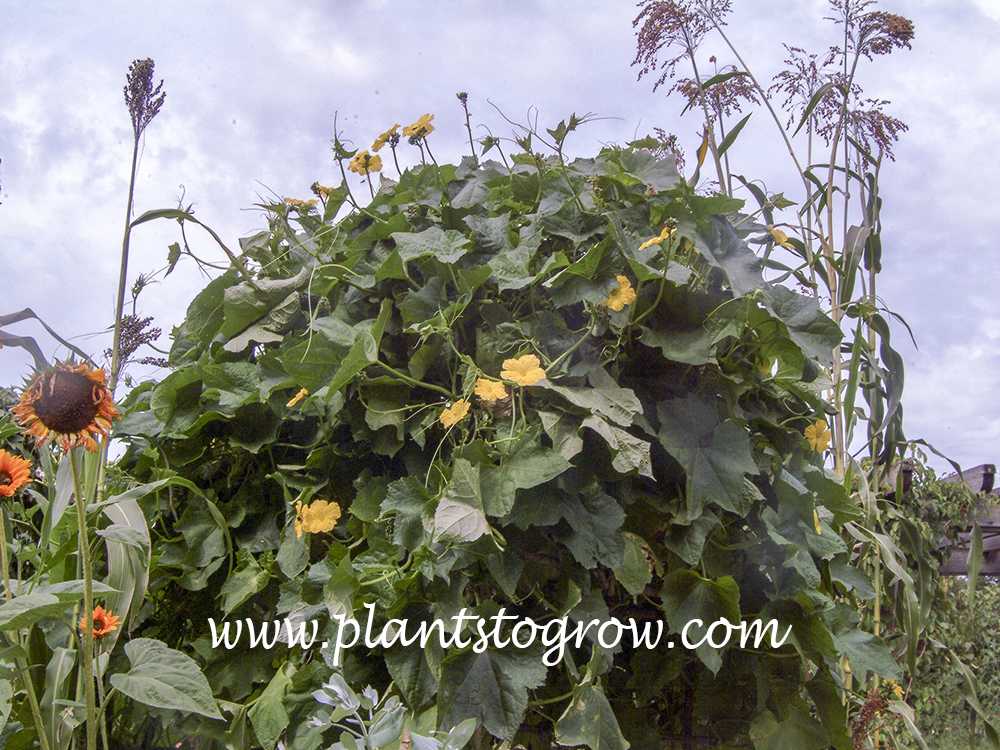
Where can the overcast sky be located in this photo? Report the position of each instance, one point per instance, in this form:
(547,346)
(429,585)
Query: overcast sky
(253,88)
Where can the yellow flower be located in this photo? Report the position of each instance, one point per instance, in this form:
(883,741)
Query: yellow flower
(420,128)
(490,390)
(455,413)
(68,402)
(897,689)
(622,296)
(526,370)
(818,435)
(384,138)
(664,235)
(780,238)
(297,398)
(765,366)
(317,516)
(321,190)
(363,163)
(15,472)
(304,206)
(819,529)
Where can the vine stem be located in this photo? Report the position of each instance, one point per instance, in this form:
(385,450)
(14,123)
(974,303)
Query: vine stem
(88,602)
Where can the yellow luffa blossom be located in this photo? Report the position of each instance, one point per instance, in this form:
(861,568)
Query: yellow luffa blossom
(384,138)
(297,398)
(420,128)
(455,413)
(622,296)
(318,516)
(897,689)
(780,238)
(819,529)
(321,190)
(304,206)
(363,163)
(818,435)
(664,235)
(490,390)
(526,370)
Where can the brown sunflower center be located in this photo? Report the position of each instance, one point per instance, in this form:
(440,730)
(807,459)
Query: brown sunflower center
(66,404)
(5,479)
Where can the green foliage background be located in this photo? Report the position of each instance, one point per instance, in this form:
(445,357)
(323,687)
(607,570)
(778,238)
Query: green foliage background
(659,472)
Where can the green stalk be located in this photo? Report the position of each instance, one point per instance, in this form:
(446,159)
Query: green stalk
(22,665)
(123,272)
(88,603)
(3,553)
(709,130)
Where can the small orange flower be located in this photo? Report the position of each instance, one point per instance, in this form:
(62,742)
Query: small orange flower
(104,622)
(69,402)
(455,413)
(15,472)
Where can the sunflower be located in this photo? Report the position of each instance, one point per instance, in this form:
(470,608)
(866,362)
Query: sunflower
(104,622)
(15,472)
(69,401)
(526,370)
(317,516)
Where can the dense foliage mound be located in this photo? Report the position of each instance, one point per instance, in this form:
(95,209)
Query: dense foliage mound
(562,389)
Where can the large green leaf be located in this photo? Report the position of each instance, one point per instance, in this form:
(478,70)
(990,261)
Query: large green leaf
(164,678)
(589,720)
(268,714)
(797,731)
(27,609)
(460,516)
(491,687)
(688,597)
(715,455)
(809,327)
(445,245)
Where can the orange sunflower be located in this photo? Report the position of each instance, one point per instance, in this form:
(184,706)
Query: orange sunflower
(15,472)
(69,402)
(104,622)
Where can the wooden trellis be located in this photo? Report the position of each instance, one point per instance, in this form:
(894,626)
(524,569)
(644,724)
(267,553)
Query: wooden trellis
(978,479)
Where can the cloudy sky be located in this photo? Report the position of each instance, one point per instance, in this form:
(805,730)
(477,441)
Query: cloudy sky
(253,89)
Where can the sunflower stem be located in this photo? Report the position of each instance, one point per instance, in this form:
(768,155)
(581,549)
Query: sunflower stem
(88,603)
(3,553)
